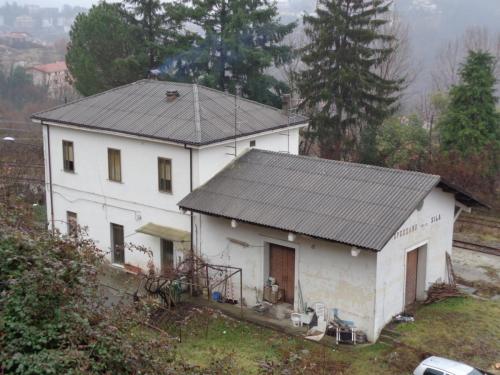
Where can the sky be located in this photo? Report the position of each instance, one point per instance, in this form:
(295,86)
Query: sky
(88,3)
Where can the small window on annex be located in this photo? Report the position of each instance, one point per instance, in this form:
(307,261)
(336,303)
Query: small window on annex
(114,165)
(68,156)
(165,175)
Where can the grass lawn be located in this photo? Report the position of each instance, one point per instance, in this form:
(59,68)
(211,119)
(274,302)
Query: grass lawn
(465,329)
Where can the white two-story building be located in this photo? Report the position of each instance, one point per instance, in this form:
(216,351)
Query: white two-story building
(364,241)
(118,162)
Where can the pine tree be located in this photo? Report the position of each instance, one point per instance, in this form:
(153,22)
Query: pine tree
(161,25)
(340,87)
(241,40)
(105,49)
(471,121)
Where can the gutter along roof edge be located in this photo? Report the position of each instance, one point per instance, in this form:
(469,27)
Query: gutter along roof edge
(178,141)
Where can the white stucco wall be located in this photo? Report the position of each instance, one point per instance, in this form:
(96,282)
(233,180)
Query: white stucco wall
(213,158)
(132,203)
(327,271)
(136,200)
(432,228)
(367,289)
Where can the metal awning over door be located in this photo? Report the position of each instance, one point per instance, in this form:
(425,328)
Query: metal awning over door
(167,233)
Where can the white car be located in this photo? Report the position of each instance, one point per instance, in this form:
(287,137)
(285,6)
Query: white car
(443,366)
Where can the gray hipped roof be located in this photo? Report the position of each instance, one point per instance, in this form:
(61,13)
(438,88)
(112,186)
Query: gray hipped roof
(199,115)
(356,204)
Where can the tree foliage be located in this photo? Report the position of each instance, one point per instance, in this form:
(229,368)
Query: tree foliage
(340,85)
(17,88)
(160,25)
(471,120)
(106,49)
(52,320)
(402,143)
(241,40)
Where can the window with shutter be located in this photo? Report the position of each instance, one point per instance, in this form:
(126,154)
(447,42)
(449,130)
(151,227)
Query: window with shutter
(165,175)
(68,156)
(114,165)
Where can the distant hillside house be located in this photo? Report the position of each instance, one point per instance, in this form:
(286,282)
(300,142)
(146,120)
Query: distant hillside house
(120,161)
(55,76)
(364,240)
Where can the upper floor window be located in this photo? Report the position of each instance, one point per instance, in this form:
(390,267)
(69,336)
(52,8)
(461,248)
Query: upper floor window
(165,175)
(252,143)
(114,165)
(68,156)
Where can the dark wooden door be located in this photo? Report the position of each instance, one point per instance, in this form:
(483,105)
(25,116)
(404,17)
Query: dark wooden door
(282,268)
(118,243)
(167,255)
(411,277)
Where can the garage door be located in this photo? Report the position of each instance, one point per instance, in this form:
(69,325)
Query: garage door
(282,268)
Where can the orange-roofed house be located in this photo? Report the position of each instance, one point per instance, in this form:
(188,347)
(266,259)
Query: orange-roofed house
(55,76)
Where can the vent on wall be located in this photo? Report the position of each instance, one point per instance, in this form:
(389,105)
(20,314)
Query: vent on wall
(171,95)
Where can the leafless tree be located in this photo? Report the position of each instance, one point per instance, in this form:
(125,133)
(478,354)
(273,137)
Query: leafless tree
(288,72)
(445,73)
(399,63)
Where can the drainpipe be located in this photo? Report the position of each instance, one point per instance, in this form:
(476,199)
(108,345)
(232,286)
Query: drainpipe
(50,179)
(190,190)
(191,216)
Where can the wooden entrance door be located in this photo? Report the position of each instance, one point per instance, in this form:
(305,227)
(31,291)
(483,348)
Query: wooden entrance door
(167,255)
(411,277)
(118,243)
(282,268)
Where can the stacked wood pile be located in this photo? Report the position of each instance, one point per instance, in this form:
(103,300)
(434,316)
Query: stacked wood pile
(440,291)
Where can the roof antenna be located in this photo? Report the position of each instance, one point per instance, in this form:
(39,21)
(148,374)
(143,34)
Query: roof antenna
(236,94)
(287,111)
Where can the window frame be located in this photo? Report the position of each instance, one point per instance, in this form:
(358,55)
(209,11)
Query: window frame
(112,172)
(170,190)
(65,152)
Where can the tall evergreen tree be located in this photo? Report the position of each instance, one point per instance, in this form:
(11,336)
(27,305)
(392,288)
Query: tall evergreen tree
(161,25)
(340,87)
(105,49)
(471,120)
(241,40)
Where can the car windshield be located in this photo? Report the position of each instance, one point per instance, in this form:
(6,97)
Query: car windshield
(475,372)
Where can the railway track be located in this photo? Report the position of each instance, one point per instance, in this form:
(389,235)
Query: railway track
(477,247)
(490,223)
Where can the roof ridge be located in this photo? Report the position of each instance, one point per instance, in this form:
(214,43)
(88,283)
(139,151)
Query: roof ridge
(354,164)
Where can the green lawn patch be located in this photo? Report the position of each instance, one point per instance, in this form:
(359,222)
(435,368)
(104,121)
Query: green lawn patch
(464,329)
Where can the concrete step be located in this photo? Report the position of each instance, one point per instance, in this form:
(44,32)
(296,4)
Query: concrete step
(389,340)
(390,332)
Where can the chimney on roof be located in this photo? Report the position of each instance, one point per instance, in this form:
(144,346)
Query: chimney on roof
(171,95)
(286,103)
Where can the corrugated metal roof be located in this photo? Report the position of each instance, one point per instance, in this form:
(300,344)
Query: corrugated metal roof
(199,116)
(356,204)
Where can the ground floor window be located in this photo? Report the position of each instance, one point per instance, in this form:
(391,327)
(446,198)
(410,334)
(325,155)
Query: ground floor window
(71,223)
(117,244)
(167,255)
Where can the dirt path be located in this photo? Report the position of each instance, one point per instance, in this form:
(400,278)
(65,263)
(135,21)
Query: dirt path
(475,266)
